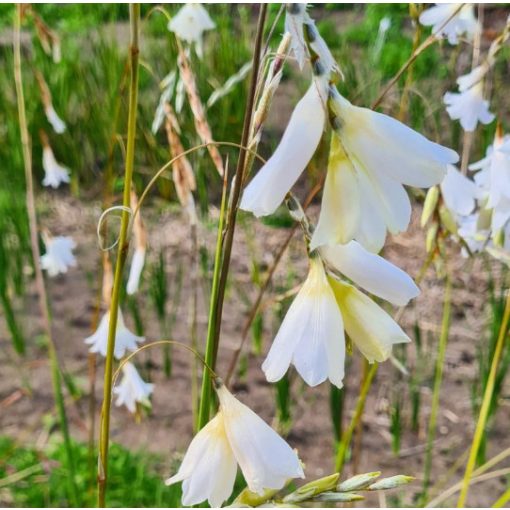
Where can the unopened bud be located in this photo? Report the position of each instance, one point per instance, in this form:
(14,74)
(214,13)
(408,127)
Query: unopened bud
(339,497)
(447,219)
(358,482)
(430,241)
(429,205)
(391,482)
(312,489)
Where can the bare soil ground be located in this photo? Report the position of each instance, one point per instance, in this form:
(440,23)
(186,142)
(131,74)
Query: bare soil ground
(168,428)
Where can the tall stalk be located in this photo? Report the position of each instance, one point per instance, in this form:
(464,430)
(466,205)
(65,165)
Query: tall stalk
(39,278)
(123,246)
(438,379)
(484,410)
(358,413)
(223,260)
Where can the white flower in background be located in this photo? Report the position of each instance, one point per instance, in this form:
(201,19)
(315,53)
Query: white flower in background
(459,193)
(311,336)
(469,230)
(132,389)
(274,180)
(59,126)
(372,157)
(468,106)
(135,271)
(59,255)
(462,23)
(236,435)
(124,339)
(55,173)
(494,170)
(190,23)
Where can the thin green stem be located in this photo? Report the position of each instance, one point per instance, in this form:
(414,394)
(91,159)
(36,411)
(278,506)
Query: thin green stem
(358,412)
(216,308)
(438,379)
(56,376)
(484,410)
(134,14)
(205,394)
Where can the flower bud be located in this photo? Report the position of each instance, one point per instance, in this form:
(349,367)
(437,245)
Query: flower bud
(391,482)
(312,489)
(447,219)
(358,482)
(339,497)
(430,241)
(429,205)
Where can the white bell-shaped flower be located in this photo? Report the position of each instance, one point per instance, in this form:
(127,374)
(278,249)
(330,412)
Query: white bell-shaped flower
(190,23)
(371,272)
(468,107)
(369,327)
(135,271)
(372,156)
(55,173)
(311,336)
(462,23)
(459,192)
(124,339)
(236,435)
(274,180)
(132,389)
(59,255)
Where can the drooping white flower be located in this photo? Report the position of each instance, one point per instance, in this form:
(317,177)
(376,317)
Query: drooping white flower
(372,156)
(236,435)
(59,255)
(459,192)
(56,122)
(494,170)
(135,271)
(311,336)
(371,272)
(369,327)
(132,389)
(124,339)
(190,23)
(462,23)
(55,173)
(469,107)
(469,230)
(268,188)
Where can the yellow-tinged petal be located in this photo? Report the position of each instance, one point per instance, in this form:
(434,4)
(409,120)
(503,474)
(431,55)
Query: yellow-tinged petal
(371,329)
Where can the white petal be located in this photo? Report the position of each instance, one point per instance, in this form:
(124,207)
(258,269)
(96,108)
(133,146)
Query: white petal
(340,209)
(311,335)
(135,271)
(384,146)
(59,255)
(459,192)
(371,329)
(266,460)
(55,174)
(372,272)
(275,179)
(209,468)
(294,19)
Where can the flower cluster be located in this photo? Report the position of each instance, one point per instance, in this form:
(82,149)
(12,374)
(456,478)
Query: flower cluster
(372,156)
